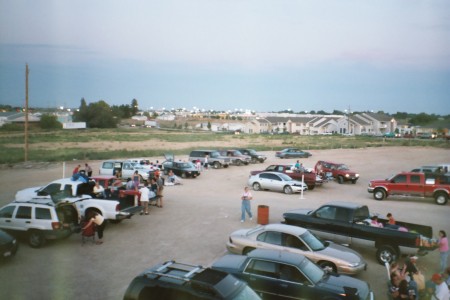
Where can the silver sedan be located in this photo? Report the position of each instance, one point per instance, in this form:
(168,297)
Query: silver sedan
(294,239)
(275,181)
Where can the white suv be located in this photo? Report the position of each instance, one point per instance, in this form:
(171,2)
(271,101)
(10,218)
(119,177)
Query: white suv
(39,220)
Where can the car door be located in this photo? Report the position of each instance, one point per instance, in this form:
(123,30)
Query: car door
(329,224)
(270,240)
(6,214)
(293,284)
(400,185)
(262,276)
(21,220)
(415,186)
(274,182)
(127,170)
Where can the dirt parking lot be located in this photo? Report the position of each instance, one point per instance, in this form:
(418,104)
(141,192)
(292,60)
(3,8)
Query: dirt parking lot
(195,222)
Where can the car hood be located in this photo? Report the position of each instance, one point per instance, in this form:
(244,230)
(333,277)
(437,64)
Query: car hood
(300,211)
(240,232)
(342,253)
(27,194)
(336,283)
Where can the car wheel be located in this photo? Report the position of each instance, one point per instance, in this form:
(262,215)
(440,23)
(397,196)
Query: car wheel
(327,266)
(288,189)
(441,198)
(340,179)
(386,254)
(354,181)
(238,162)
(256,186)
(216,165)
(311,187)
(379,194)
(254,160)
(36,239)
(247,250)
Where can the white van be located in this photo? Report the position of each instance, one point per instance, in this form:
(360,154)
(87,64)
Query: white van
(110,167)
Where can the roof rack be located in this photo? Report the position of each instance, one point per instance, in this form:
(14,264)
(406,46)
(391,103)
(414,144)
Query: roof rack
(36,201)
(173,265)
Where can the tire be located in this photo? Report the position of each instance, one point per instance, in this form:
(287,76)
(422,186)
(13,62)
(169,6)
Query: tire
(340,179)
(238,162)
(36,239)
(261,160)
(247,250)
(354,181)
(386,253)
(379,194)
(327,266)
(441,198)
(311,187)
(254,160)
(288,189)
(216,165)
(256,186)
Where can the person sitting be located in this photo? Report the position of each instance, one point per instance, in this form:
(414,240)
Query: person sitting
(374,222)
(99,191)
(172,179)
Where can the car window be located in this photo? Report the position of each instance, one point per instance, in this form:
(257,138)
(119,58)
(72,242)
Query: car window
(326,212)
(271,168)
(24,212)
(280,169)
(342,214)
(271,237)
(127,166)
(107,165)
(274,177)
(263,268)
(7,211)
(292,274)
(415,178)
(50,189)
(264,176)
(399,179)
(215,154)
(43,214)
(293,241)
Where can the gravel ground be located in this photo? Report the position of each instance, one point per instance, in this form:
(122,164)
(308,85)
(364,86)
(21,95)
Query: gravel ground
(195,223)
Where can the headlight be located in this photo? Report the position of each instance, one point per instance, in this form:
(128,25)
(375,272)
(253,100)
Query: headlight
(353,265)
(347,175)
(357,175)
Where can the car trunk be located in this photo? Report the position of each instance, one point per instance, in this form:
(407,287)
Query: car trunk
(68,216)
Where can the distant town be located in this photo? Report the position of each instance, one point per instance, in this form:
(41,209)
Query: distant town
(345,122)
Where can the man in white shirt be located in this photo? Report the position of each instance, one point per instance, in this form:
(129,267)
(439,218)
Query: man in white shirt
(441,292)
(144,197)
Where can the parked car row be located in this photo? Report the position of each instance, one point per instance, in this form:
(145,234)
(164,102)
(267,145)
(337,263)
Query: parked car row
(224,158)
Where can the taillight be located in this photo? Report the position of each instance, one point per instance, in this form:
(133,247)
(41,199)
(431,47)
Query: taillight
(118,207)
(56,225)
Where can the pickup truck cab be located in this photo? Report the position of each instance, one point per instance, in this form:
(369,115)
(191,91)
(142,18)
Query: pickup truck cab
(80,193)
(411,184)
(349,223)
(309,178)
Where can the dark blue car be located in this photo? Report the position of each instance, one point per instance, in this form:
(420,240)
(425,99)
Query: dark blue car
(283,275)
(292,153)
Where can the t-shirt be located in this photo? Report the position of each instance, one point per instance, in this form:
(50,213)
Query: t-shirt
(98,219)
(443,244)
(144,193)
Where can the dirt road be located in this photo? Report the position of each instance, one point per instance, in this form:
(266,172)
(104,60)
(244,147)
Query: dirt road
(195,222)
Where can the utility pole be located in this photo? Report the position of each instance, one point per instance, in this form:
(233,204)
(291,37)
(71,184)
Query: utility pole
(26,112)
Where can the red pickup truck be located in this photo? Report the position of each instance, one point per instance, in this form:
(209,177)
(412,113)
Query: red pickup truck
(410,184)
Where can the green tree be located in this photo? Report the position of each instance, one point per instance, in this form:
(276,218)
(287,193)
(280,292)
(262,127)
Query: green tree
(209,125)
(97,115)
(81,114)
(50,122)
(134,107)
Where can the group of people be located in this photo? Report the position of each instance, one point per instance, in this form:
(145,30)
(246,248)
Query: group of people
(152,193)
(409,282)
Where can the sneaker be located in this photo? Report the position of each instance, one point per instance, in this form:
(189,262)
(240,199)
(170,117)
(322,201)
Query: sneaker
(251,219)
(242,221)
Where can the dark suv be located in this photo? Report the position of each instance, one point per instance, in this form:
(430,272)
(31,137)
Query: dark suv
(255,156)
(173,280)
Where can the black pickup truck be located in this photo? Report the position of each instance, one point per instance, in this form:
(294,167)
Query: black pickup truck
(347,223)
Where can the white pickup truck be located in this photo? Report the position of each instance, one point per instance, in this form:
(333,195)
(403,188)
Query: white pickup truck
(79,193)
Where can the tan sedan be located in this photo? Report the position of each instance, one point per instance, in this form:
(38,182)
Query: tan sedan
(331,257)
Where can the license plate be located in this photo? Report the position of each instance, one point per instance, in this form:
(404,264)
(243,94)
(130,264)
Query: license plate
(6,254)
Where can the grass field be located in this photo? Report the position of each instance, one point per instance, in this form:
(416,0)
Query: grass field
(95,144)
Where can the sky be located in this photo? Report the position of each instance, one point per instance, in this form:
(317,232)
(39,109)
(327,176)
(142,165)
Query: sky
(259,55)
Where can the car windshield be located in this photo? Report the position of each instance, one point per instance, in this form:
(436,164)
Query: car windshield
(186,165)
(284,177)
(312,241)
(251,151)
(311,270)
(342,167)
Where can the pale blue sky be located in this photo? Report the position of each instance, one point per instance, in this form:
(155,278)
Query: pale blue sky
(390,55)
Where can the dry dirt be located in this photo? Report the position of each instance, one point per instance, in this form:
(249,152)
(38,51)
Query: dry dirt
(195,223)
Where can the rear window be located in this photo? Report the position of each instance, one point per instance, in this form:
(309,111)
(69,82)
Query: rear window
(415,179)
(43,214)
(7,212)
(107,165)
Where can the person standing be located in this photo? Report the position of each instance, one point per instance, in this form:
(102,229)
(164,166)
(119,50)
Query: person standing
(441,292)
(160,189)
(99,221)
(136,180)
(205,162)
(144,197)
(88,170)
(443,250)
(245,206)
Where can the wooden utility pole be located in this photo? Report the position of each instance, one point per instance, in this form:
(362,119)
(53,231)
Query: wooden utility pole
(26,113)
